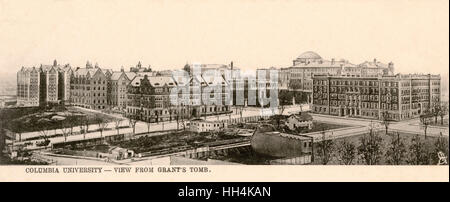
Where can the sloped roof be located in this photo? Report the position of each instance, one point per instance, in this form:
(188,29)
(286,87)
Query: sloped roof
(157,81)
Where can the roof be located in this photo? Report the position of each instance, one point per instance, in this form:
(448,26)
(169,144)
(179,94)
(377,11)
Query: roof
(116,75)
(157,81)
(136,81)
(309,55)
(302,117)
(325,63)
(374,64)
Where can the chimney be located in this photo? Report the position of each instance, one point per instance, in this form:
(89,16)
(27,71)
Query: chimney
(375,60)
(55,63)
(121,69)
(332,61)
(231,65)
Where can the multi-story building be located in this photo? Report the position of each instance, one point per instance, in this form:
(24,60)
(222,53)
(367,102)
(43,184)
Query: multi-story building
(28,86)
(119,82)
(298,77)
(50,83)
(89,87)
(149,98)
(398,96)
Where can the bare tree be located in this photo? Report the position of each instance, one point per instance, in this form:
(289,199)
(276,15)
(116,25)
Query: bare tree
(443,112)
(325,148)
(386,120)
(396,152)
(370,148)
(65,130)
(44,136)
(425,122)
(132,120)
(418,154)
(436,111)
(149,121)
(346,152)
(102,124)
(117,124)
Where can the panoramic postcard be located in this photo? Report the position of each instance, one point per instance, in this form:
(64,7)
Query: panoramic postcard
(190,90)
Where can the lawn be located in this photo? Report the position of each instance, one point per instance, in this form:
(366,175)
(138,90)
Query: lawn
(174,140)
(37,120)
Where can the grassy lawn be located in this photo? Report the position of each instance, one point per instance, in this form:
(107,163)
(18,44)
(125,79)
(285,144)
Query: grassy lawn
(36,120)
(173,140)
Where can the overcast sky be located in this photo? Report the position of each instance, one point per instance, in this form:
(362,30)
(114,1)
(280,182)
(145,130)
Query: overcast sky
(413,34)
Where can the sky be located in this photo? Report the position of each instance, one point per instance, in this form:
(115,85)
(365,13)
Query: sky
(166,34)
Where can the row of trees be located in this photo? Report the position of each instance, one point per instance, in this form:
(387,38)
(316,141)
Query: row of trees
(371,150)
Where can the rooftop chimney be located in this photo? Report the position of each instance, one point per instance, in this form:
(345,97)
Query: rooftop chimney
(231,65)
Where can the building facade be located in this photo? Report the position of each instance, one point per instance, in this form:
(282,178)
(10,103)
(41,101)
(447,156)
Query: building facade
(399,96)
(89,87)
(119,82)
(47,84)
(298,77)
(28,86)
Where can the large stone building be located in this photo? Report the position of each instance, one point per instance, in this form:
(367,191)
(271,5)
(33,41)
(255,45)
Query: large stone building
(149,99)
(43,85)
(298,77)
(398,96)
(28,86)
(119,82)
(89,87)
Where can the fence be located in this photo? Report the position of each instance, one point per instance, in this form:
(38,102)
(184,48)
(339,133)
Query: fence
(244,119)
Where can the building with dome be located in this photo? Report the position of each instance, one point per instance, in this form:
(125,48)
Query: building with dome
(298,77)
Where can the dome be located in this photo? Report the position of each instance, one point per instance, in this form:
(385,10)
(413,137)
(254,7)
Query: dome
(309,55)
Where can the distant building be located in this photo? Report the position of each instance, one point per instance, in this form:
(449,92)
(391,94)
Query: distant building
(200,125)
(302,120)
(298,77)
(401,96)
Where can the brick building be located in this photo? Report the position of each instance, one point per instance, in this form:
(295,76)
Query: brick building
(401,96)
(89,87)
(298,77)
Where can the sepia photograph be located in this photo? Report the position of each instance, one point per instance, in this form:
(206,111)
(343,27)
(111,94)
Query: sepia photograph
(270,90)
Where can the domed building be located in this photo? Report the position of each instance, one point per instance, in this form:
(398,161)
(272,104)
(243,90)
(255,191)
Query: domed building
(307,57)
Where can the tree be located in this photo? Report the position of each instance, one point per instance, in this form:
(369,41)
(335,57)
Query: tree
(440,145)
(149,121)
(102,124)
(117,123)
(443,112)
(346,152)
(436,111)
(396,152)
(86,121)
(65,130)
(425,122)
(132,120)
(370,148)
(44,136)
(284,99)
(386,120)
(325,149)
(418,154)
